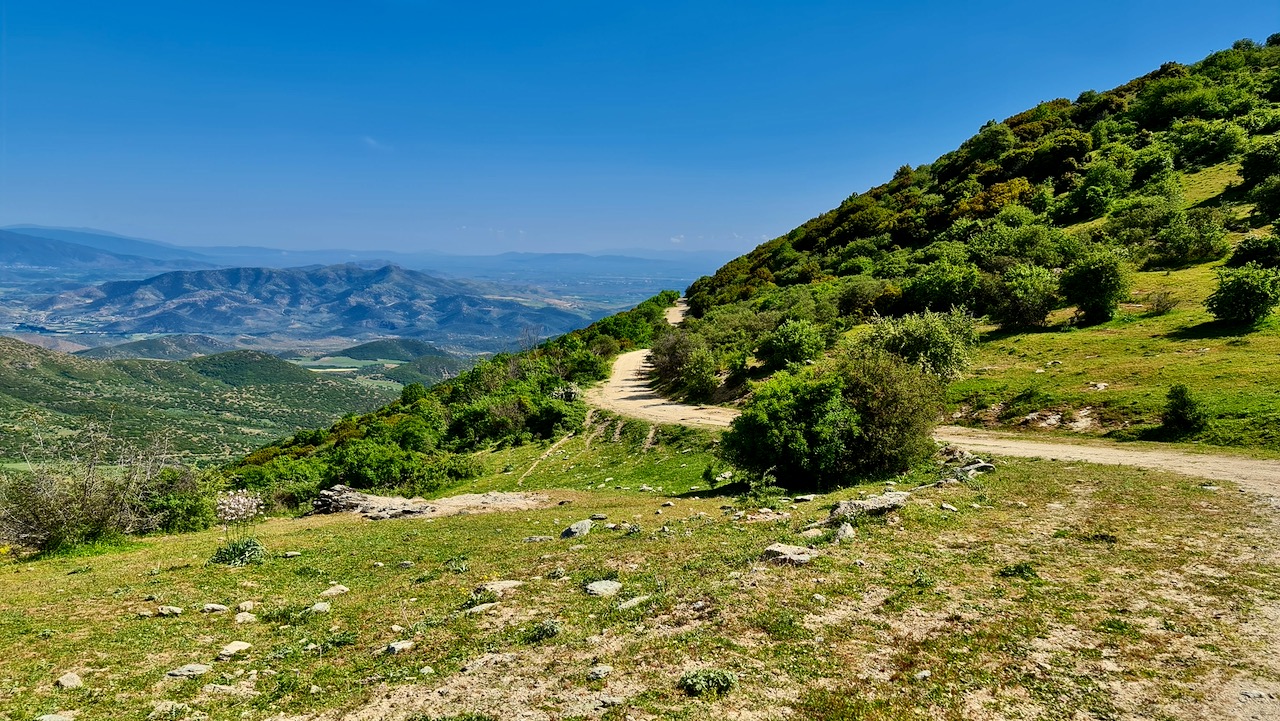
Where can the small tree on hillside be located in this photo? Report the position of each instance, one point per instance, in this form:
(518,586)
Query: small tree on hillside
(1095,284)
(1028,293)
(1183,414)
(940,344)
(1245,295)
(795,341)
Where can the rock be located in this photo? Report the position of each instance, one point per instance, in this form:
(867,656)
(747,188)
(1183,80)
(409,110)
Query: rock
(378,564)
(806,498)
(336,589)
(668,504)
(399,647)
(230,650)
(923,675)
(577,530)
(292,554)
(979,467)
(191,670)
(342,499)
(783,553)
(246,617)
(599,517)
(845,533)
(611,701)
(169,611)
(812,533)
(246,606)
(477,610)
(538,539)
(498,587)
(599,673)
(405,564)
(214,608)
(819,598)
(322,607)
(869,506)
(604,588)
(54,717)
(631,603)
(426,671)
(70,680)
(948,507)
(215,689)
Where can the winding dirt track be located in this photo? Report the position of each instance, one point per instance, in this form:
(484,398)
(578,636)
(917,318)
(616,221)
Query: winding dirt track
(627,392)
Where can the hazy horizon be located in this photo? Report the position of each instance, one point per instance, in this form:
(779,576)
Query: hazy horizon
(424,127)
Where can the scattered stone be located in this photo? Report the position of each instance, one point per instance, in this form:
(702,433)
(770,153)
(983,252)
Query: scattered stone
(599,517)
(405,564)
(819,598)
(658,512)
(336,589)
(923,675)
(191,670)
(378,564)
(230,650)
(482,608)
(246,617)
(806,498)
(1255,694)
(812,533)
(70,680)
(498,587)
(169,611)
(668,504)
(845,532)
(577,530)
(869,506)
(948,507)
(292,554)
(564,502)
(246,606)
(54,717)
(214,608)
(604,588)
(426,671)
(783,553)
(611,701)
(979,467)
(214,689)
(631,603)
(538,539)
(399,647)
(599,673)
(321,607)
(315,689)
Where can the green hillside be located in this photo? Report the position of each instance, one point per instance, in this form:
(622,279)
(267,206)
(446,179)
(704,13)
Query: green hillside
(216,406)
(1143,189)
(401,349)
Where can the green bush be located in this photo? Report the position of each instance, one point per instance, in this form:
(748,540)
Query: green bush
(708,682)
(239,552)
(865,412)
(1245,295)
(1193,237)
(1183,414)
(794,341)
(1095,284)
(1266,199)
(940,344)
(1263,250)
(1198,143)
(943,285)
(1261,161)
(701,375)
(1028,293)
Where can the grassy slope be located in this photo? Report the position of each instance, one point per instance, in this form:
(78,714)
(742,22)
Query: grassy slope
(1144,582)
(216,406)
(1139,356)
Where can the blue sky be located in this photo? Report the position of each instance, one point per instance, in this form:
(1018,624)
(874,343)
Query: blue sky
(579,126)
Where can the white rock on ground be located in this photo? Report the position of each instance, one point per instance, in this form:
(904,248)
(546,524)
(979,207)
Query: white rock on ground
(214,608)
(631,603)
(169,611)
(246,606)
(246,617)
(232,649)
(191,670)
(499,587)
(604,588)
(292,554)
(869,506)
(336,589)
(70,680)
(845,532)
(399,647)
(321,607)
(599,672)
(577,530)
(785,553)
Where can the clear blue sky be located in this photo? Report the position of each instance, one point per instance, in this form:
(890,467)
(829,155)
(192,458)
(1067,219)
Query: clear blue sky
(483,127)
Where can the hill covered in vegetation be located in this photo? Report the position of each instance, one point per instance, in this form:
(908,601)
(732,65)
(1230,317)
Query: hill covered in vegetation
(169,347)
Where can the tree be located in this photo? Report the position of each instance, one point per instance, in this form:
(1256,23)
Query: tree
(700,378)
(1263,250)
(940,344)
(1260,161)
(1027,295)
(1183,414)
(794,341)
(1266,199)
(412,393)
(942,285)
(1095,284)
(1245,295)
(866,412)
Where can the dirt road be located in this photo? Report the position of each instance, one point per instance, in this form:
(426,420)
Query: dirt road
(627,392)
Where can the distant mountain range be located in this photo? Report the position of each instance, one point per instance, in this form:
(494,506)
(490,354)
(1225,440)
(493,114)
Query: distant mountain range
(345,301)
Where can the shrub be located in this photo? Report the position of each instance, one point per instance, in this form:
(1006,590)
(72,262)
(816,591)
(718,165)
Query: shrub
(1027,295)
(1183,414)
(542,631)
(412,393)
(1261,161)
(1160,302)
(942,285)
(1095,284)
(239,552)
(88,489)
(940,344)
(1264,250)
(1199,142)
(1193,237)
(708,682)
(700,377)
(1266,199)
(794,341)
(865,412)
(1245,295)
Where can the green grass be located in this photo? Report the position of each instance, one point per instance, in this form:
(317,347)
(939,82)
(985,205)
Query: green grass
(1011,598)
